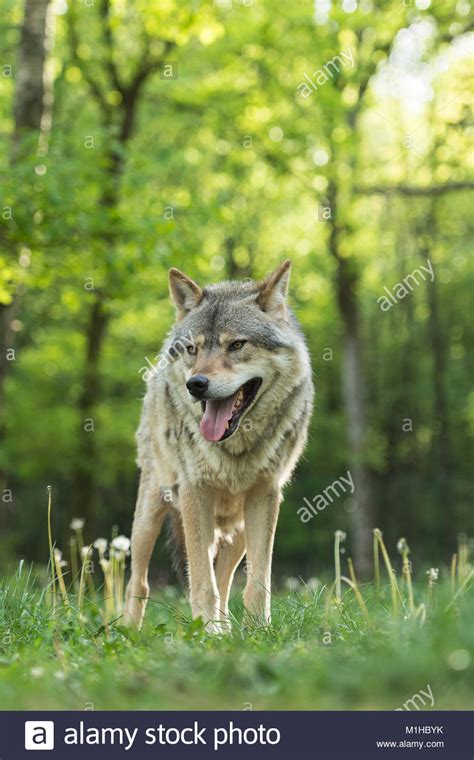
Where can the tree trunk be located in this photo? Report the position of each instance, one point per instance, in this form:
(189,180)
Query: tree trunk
(362,518)
(85,498)
(30,79)
(438,350)
(84,479)
(84,490)
(28,111)
(7,313)
(441,439)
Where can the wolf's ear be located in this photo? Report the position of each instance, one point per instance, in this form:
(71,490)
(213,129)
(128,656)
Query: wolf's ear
(185,293)
(274,290)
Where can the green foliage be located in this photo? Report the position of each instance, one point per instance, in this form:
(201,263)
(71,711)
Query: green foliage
(227,171)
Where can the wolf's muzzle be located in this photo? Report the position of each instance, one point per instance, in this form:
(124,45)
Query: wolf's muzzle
(197,385)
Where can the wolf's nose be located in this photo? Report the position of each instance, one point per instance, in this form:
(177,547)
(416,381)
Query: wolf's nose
(197,385)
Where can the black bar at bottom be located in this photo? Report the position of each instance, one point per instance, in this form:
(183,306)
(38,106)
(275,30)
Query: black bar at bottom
(175,735)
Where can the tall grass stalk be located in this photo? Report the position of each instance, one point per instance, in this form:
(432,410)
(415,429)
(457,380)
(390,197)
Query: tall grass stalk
(339,536)
(106,567)
(404,550)
(355,588)
(77,525)
(376,563)
(463,553)
(421,613)
(461,589)
(407,575)
(60,577)
(51,551)
(327,605)
(73,561)
(83,576)
(432,574)
(118,582)
(391,572)
(454,561)
(108,586)
(79,538)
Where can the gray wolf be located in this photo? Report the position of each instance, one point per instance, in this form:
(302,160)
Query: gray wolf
(223,425)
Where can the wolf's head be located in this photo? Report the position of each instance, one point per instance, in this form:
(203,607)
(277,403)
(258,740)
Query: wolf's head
(235,340)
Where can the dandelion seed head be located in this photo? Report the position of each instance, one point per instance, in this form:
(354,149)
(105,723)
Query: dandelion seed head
(402,546)
(77,523)
(101,544)
(121,544)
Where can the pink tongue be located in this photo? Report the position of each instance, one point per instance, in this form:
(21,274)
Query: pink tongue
(215,418)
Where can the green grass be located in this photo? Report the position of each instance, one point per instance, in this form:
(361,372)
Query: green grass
(316,654)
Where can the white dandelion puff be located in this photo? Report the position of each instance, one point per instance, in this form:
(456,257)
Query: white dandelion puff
(402,546)
(313,584)
(101,544)
(121,544)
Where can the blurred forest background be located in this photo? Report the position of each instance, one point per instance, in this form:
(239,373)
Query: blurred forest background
(222,137)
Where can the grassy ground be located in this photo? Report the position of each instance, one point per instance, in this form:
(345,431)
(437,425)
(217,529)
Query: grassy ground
(318,653)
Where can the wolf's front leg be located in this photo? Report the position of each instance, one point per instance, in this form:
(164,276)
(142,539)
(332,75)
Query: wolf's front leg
(228,558)
(197,511)
(147,522)
(260,516)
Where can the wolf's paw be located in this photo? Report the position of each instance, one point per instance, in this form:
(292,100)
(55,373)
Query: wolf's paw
(214,626)
(225,624)
(133,614)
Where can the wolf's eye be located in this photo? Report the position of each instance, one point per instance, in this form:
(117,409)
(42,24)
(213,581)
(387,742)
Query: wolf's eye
(191,349)
(237,345)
